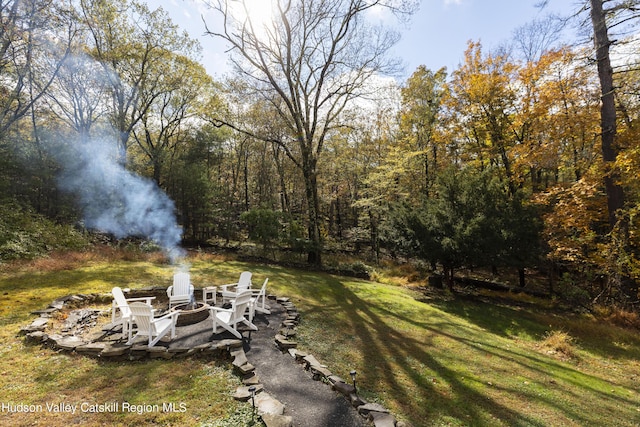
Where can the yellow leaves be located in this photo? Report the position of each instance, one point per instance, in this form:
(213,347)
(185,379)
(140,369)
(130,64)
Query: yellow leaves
(571,225)
(483,80)
(628,164)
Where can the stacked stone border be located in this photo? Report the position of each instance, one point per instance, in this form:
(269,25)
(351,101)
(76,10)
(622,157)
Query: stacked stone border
(36,333)
(268,408)
(285,340)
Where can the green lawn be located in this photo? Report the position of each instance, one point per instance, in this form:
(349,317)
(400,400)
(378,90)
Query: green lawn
(431,361)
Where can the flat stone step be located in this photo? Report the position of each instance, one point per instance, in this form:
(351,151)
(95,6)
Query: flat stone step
(372,407)
(272,420)
(246,368)
(382,419)
(114,350)
(239,358)
(70,342)
(251,379)
(266,404)
(285,344)
(344,388)
(92,347)
(310,361)
(243,394)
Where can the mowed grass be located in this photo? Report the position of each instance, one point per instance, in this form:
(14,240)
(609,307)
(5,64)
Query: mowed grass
(35,375)
(447,360)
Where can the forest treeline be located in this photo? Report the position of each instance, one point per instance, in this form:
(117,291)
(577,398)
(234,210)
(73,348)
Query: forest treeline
(510,161)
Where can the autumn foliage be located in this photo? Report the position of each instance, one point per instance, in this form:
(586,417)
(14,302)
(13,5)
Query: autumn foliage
(498,165)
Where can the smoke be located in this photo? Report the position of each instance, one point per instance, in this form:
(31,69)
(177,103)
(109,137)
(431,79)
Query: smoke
(116,201)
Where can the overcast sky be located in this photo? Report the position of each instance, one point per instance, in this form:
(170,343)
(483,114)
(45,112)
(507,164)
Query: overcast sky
(436,36)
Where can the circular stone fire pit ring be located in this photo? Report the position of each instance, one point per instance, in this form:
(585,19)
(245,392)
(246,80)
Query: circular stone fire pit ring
(188,315)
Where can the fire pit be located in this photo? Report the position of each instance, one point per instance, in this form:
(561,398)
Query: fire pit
(191,313)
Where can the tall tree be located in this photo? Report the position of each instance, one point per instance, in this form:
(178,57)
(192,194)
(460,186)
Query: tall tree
(421,103)
(537,37)
(617,15)
(615,193)
(179,96)
(79,94)
(554,120)
(310,61)
(483,98)
(27,29)
(130,42)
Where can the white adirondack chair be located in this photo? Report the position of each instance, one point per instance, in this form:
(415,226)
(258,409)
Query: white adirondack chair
(230,318)
(258,300)
(181,291)
(120,311)
(231,290)
(153,328)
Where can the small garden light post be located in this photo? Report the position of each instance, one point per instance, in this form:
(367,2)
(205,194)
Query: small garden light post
(252,390)
(353,378)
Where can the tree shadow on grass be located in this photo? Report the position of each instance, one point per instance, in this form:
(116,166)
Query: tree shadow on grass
(420,371)
(387,351)
(409,366)
(511,322)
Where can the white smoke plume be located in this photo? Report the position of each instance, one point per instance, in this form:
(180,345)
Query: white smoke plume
(116,201)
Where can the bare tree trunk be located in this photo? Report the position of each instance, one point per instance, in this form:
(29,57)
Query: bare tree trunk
(615,194)
(618,221)
(311,61)
(311,187)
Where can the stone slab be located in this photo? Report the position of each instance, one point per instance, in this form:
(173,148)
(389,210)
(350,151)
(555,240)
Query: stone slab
(37,336)
(115,350)
(288,332)
(298,355)
(355,400)
(251,380)
(319,372)
(40,322)
(344,388)
(335,379)
(157,352)
(92,347)
(239,358)
(310,360)
(285,344)
(228,344)
(272,420)
(70,342)
(246,368)
(243,394)
(46,312)
(372,407)
(382,419)
(266,404)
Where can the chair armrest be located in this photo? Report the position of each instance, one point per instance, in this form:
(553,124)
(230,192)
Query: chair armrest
(225,288)
(170,290)
(147,299)
(167,315)
(115,307)
(214,310)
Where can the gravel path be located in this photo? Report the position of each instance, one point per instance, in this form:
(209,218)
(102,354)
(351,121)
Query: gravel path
(310,403)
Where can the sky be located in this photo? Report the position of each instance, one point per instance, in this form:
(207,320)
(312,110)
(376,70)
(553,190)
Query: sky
(436,35)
